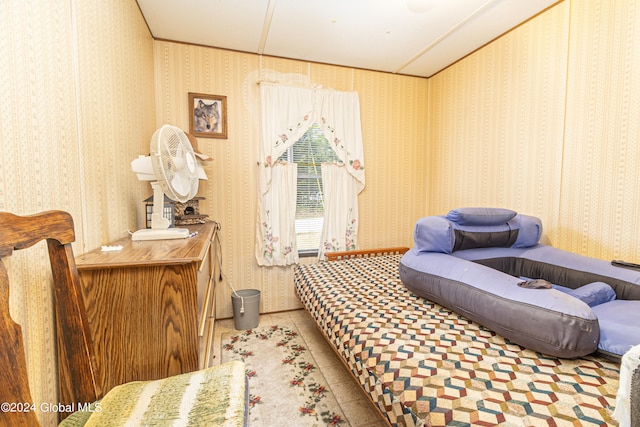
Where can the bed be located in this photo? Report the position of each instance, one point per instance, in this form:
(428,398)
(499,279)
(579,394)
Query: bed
(421,364)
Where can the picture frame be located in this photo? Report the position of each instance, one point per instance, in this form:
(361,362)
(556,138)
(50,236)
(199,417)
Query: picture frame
(207,115)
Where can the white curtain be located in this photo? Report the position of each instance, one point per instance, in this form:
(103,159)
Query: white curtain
(276,234)
(287,113)
(340,232)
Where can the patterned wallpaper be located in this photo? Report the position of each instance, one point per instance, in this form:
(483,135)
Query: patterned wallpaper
(544,120)
(116,114)
(496,123)
(600,188)
(37,113)
(76,106)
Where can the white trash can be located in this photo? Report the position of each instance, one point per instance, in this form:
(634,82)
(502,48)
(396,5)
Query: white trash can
(246,308)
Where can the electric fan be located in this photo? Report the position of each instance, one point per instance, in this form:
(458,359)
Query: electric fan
(173,170)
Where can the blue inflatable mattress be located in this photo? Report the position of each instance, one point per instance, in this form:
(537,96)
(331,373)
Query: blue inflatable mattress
(487,264)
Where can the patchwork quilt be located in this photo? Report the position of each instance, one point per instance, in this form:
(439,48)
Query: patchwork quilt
(422,364)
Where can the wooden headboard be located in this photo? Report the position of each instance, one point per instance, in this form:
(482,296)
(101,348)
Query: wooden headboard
(365,253)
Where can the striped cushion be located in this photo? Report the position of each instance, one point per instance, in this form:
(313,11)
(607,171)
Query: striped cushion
(211,397)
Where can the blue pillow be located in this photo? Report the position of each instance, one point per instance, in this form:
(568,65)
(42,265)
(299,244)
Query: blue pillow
(480,216)
(529,230)
(593,294)
(433,234)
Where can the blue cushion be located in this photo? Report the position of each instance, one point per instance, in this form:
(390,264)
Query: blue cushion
(480,216)
(438,233)
(593,294)
(619,322)
(433,234)
(529,230)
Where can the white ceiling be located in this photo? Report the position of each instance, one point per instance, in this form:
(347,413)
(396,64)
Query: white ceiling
(383,35)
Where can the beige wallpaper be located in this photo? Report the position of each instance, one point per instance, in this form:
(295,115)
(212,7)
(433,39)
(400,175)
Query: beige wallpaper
(116,111)
(496,123)
(36,112)
(393,108)
(544,120)
(600,188)
(76,105)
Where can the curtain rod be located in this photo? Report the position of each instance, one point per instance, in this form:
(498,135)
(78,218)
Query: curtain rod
(277,82)
(258,82)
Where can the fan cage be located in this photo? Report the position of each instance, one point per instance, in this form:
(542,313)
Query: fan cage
(166,145)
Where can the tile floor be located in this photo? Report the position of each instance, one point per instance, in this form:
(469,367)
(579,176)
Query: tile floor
(357,409)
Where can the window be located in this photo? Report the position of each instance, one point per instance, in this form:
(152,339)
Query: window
(308,153)
(337,115)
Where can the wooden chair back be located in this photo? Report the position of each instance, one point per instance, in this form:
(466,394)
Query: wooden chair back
(76,362)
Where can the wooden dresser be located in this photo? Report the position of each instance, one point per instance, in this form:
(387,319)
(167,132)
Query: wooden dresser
(143,304)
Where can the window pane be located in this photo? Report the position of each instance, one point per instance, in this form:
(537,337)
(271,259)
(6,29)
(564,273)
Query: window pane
(308,232)
(309,152)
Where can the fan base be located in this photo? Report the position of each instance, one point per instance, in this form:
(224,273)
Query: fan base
(166,234)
